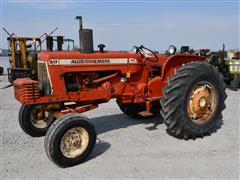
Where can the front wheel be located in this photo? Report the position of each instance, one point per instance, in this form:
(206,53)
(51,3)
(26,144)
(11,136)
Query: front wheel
(34,120)
(69,140)
(193,101)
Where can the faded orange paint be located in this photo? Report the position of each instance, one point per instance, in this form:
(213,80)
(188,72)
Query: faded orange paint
(137,82)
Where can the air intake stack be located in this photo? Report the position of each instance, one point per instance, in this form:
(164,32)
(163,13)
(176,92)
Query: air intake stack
(85,38)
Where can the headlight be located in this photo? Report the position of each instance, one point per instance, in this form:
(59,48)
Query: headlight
(172,49)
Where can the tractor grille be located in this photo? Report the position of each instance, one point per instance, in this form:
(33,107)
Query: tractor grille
(43,79)
(26,90)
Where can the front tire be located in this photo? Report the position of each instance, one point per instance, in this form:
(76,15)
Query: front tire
(69,140)
(30,122)
(193,101)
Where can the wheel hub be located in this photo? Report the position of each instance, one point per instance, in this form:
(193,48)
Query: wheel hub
(74,142)
(41,118)
(40,115)
(202,102)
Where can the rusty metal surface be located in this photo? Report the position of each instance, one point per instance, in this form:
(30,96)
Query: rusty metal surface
(202,102)
(74,142)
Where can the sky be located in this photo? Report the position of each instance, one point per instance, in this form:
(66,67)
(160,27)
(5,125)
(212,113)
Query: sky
(122,24)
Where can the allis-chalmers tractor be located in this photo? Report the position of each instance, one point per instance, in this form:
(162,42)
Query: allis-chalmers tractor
(188,92)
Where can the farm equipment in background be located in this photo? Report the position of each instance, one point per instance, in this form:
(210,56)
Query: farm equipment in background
(185,50)
(233,63)
(203,52)
(23,57)
(200,52)
(60,40)
(228,64)
(23,53)
(185,89)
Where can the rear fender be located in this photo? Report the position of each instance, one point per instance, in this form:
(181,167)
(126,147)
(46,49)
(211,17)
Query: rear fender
(176,61)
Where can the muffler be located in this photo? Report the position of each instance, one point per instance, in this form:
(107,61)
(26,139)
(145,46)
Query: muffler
(85,38)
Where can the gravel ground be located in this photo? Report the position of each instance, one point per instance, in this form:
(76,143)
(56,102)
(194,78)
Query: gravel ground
(126,148)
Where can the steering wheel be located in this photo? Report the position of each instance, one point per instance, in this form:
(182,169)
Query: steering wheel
(146,53)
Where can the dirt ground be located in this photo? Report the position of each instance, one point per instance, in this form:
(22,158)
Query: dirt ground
(126,148)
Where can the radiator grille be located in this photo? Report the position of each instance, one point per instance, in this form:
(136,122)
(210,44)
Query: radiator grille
(43,79)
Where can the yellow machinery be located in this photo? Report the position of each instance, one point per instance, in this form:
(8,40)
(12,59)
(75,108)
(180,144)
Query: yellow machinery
(23,57)
(23,53)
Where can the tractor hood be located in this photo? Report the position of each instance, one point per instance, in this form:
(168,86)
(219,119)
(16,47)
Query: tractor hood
(77,58)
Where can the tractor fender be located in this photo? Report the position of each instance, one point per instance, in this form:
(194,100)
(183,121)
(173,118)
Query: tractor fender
(176,61)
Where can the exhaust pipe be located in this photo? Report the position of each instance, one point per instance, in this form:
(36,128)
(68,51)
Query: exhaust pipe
(59,43)
(85,38)
(49,40)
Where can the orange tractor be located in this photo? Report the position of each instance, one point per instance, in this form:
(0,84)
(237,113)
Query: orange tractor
(188,92)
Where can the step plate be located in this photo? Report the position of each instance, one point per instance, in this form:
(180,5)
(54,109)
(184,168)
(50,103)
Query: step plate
(145,114)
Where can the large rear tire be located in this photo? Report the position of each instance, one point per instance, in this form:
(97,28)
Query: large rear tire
(69,140)
(31,123)
(193,101)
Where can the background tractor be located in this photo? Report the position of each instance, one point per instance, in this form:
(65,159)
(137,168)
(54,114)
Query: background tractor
(185,89)
(228,64)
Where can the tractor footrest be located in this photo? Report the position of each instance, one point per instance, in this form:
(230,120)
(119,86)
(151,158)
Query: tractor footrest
(145,114)
(157,98)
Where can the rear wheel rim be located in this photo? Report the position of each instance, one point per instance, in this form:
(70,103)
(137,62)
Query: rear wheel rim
(74,142)
(202,102)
